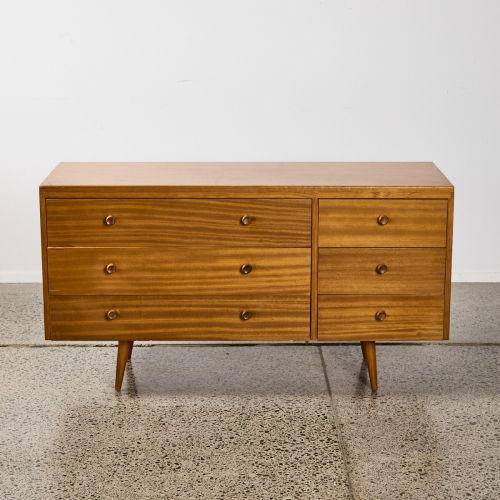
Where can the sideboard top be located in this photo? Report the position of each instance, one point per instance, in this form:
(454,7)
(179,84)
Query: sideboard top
(307,174)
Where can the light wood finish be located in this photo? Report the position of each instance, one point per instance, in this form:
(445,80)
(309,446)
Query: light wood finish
(363,350)
(414,271)
(176,250)
(314,271)
(45,275)
(201,174)
(174,271)
(447,281)
(353,318)
(247,192)
(246,180)
(124,349)
(378,300)
(283,318)
(158,222)
(354,223)
(370,355)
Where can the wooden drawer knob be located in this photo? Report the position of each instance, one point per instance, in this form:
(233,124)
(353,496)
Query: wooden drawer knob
(110,220)
(383,220)
(246,315)
(246,268)
(381,269)
(111,315)
(380,315)
(110,268)
(246,220)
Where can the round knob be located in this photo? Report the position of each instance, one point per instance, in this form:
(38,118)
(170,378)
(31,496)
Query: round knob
(381,269)
(246,268)
(246,220)
(383,220)
(110,220)
(111,268)
(246,315)
(380,315)
(111,315)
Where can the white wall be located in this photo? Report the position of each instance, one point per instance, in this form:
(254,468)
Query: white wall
(251,80)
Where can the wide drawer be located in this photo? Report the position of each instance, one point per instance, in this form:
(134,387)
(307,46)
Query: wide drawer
(382,223)
(138,223)
(178,271)
(373,317)
(180,318)
(417,271)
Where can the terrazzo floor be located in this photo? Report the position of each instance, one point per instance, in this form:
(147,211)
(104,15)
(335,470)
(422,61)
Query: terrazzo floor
(264,421)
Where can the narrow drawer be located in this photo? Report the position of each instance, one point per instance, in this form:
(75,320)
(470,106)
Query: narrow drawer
(413,271)
(384,317)
(139,223)
(180,318)
(178,271)
(382,223)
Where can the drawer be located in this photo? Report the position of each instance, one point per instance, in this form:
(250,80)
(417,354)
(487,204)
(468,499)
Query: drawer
(180,318)
(359,317)
(178,271)
(382,223)
(417,271)
(154,222)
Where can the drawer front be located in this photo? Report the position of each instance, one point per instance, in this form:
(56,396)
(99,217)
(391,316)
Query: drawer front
(417,271)
(382,223)
(358,317)
(178,271)
(180,318)
(139,223)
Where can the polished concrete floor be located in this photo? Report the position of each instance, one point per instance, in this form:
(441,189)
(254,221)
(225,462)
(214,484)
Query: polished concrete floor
(250,421)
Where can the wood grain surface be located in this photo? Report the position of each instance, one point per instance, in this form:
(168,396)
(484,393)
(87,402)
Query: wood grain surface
(417,271)
(178,271)
(314,270)
(235,174)
(353,318)
(161,222)
(246,180)
(178,246)
(354,223)
(243,192)
(447,286)
(45,275)
(180,318)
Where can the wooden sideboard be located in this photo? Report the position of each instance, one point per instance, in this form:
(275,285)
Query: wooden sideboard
(246,251)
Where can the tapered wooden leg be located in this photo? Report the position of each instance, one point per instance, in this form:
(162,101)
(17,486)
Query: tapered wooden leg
(368,348)
(130,350)
(124,348)
(363,349)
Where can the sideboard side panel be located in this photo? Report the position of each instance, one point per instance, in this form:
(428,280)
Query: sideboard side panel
(447,284)
(45,273)
(314,268)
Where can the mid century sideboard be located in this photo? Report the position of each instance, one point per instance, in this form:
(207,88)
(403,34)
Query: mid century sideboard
(246,251)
